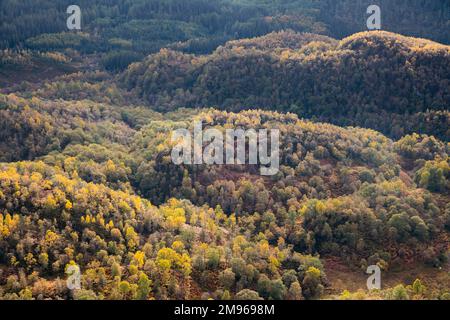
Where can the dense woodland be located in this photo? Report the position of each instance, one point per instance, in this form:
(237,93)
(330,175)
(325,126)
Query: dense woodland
(101,193)
(423,19)
(200,25)
(377,80)
(87,179)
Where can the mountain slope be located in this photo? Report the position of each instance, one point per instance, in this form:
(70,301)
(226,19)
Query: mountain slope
(347,194)
(379,80)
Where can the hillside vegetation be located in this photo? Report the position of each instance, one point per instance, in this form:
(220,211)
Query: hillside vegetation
(101,192)
(200,25)
(379,80)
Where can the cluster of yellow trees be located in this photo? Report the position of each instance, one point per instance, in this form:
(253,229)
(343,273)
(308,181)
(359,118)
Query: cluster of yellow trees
(126,247)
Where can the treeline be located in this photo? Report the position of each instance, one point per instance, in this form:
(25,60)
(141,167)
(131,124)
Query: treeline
(153,24)
(394,84)
(423,19)
(148,25)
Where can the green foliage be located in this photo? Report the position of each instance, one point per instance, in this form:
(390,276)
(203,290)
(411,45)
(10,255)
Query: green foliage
(119,60)
(80,41)
(345,16)
(434,175)
(312,287)
(148,24)
(152,24)
(399,293)
(416,147)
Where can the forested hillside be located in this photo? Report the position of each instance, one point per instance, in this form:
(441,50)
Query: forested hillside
(200,25)
(148,25)
(347,193)
(87,176)
(423,19)
(378,80)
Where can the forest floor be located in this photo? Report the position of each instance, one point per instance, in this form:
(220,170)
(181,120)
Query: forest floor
(12,76)
(342,277)
(40,70)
